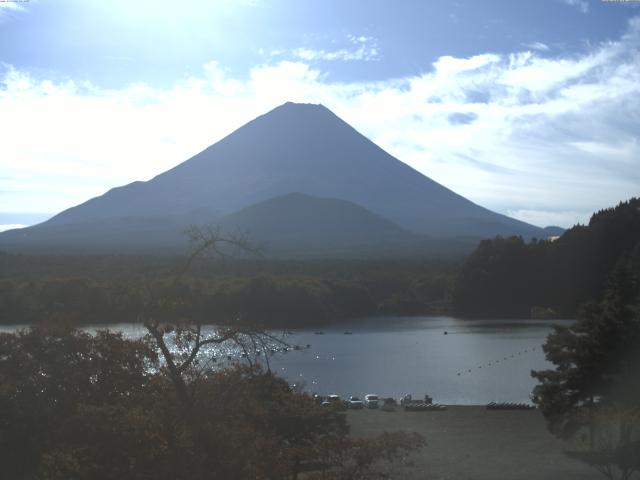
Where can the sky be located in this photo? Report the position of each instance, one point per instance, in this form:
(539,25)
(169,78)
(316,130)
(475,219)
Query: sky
(529,108)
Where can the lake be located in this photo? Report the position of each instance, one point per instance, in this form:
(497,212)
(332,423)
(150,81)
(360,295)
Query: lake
(475,362)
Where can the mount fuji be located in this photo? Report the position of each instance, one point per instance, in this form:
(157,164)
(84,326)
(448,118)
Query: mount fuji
(295,177)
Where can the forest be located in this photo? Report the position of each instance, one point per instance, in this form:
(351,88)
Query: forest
(505,277)
(113,289)
(509,277)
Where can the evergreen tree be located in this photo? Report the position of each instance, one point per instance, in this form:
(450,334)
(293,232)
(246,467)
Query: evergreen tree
(594,391)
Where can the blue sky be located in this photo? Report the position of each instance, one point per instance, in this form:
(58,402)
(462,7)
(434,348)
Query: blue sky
(530,108)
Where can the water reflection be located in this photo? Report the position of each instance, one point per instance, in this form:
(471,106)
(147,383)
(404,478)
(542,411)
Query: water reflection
(475,362)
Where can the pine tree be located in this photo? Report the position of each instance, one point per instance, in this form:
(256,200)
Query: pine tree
(594,391)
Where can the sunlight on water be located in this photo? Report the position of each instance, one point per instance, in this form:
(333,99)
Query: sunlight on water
(455,361)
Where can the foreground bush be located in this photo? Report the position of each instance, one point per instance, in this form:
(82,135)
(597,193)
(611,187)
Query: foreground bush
(77,406)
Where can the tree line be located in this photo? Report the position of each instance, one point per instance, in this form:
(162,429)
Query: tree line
(508,277)
(279,294)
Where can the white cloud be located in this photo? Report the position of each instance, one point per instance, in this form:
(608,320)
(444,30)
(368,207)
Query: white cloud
(8,10)
(582,5)
(15,6)
(10,226)
(551,217)
(548,140)
(539,46)
(361,48)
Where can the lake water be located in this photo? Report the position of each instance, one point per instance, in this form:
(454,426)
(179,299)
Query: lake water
(475,362)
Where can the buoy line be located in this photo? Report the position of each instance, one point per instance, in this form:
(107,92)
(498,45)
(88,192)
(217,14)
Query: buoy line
(498,361)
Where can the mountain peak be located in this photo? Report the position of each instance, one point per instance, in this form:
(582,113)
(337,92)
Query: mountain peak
(300,111)
(296,147)
(306,106)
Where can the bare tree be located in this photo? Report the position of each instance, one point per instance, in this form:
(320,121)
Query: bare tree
(188,334)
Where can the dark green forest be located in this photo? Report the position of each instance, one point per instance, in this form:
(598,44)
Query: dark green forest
(503,277)
(111,289)
(508,277)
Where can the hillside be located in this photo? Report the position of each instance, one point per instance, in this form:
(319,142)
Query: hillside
(507,277)
(300,223)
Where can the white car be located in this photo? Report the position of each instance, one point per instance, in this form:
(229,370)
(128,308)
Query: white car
(332,400)
(371,400)
(354,402)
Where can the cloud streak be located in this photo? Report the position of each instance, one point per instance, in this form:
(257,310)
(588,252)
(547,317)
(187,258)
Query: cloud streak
(8,10)
(547,140)
(581,5)
(539,46)
(361,48)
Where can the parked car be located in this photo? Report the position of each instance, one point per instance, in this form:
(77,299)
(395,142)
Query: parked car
(389,405)
(333,400)
(371,400)
(354,402)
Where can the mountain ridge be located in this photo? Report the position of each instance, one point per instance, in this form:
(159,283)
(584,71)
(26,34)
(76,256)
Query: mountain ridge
(302,148)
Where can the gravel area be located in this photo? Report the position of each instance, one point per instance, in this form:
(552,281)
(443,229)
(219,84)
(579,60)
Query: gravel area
(468,442)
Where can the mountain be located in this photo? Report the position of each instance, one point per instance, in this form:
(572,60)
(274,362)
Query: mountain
(293,148)
(126,234)
(291,225)
(553,231)
(302,225)
(309,220)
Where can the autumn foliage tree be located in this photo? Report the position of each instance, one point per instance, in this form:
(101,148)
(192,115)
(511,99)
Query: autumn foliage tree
(100,406)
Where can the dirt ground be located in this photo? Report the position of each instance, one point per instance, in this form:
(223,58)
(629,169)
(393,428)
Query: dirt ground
(472,443)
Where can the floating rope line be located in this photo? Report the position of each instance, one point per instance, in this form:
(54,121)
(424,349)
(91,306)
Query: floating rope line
(496,362)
